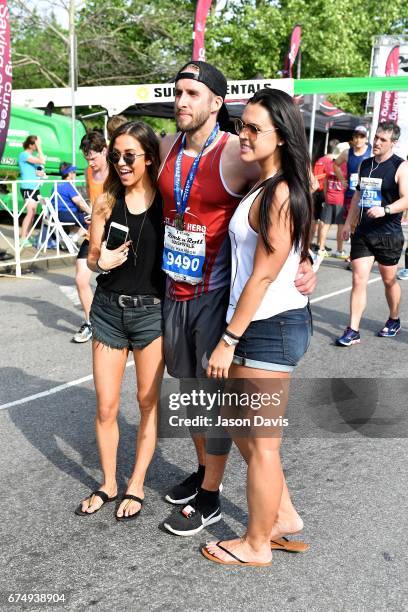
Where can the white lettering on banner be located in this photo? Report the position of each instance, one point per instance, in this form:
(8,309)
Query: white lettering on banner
(116,98)
(5,75)
(236,90)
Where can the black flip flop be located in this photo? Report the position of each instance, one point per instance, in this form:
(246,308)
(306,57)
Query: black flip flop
(104,497)
(132,516)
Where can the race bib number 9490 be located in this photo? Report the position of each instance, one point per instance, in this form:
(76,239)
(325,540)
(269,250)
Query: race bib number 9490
(183,255)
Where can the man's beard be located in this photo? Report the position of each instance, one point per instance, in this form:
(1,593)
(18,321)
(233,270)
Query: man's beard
(196,123)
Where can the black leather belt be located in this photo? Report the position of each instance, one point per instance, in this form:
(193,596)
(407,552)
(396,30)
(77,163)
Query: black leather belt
(134,301)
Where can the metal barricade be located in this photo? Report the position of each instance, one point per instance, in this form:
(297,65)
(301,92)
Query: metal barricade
(48,214)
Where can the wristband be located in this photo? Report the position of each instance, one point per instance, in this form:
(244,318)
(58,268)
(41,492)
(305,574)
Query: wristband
(101,270)
(228,340)
(231,335)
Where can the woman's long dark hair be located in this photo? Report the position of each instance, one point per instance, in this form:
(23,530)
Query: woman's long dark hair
(149,142)
(295,169)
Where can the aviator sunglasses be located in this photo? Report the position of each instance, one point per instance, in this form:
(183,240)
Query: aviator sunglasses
(129,158)
(253,131)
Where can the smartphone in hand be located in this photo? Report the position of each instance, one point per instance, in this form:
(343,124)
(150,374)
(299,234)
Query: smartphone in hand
(117,235)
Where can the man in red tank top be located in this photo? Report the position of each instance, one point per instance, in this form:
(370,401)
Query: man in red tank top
(201,180)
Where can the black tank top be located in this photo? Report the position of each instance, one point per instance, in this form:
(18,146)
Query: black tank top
(386,171)
(146,278)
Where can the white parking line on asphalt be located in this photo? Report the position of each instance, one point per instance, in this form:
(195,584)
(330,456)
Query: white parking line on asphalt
(329,295)
(79,381)
(72,383)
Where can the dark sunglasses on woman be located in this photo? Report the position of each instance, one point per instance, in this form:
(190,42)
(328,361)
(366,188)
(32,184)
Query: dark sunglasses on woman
(129,158)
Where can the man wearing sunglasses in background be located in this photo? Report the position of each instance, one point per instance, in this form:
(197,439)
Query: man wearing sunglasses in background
(202,180)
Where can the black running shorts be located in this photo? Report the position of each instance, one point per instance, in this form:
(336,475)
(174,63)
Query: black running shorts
(385,248)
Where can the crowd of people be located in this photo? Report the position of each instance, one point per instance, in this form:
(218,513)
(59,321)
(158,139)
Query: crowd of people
(365,196)
(211,280)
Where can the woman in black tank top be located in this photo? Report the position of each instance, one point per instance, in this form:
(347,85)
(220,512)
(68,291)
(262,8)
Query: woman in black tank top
(126,312)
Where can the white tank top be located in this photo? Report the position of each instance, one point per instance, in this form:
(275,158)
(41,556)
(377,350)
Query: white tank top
(281,294)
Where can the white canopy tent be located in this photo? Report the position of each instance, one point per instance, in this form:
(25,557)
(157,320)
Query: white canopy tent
(117,98)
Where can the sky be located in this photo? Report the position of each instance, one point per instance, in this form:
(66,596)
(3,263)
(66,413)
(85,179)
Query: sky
(57,6)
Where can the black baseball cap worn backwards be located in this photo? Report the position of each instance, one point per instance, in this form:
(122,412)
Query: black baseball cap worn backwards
(207,74)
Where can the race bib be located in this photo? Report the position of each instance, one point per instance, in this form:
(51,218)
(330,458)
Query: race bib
(183,255)
(353,180)
(370,189)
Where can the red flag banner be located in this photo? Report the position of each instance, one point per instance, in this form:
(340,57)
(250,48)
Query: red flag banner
(389,99)
(5,73)
(293,51)
(202,9)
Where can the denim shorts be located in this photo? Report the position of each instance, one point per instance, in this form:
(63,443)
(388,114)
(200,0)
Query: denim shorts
(278,343)
(119,328)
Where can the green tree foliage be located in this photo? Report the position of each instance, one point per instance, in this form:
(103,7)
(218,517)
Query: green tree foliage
(39,52)
(251,38)
(133,41)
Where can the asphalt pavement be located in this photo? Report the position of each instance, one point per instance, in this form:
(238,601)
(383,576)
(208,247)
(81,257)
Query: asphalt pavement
(344,460)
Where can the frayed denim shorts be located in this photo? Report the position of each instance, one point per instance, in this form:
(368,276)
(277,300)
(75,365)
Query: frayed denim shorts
(278,343)
(119,328)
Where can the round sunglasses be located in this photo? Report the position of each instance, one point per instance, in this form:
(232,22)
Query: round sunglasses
(129,158)
(253,131)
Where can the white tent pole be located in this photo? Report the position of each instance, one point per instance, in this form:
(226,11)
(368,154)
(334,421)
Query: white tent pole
(72,74)
(312,125)
(326,142)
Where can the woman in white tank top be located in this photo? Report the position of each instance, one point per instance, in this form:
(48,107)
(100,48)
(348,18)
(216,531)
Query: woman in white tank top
(268,320)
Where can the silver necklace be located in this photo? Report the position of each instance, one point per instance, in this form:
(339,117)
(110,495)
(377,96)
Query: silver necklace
(134,250)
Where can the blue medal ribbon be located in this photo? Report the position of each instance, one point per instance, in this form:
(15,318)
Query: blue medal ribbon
(181,196)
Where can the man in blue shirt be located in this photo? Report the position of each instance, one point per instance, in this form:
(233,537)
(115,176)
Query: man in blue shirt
(30,161)
(71,207)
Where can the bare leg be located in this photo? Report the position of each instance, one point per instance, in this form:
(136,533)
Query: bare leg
(82,279)
(288,520)
(199,443)
(316,230)
(392,289)
(108,368)
(29,218)
(358,299)
(214,471)
(339,239)
(265,485)
(324,229)
(149,365)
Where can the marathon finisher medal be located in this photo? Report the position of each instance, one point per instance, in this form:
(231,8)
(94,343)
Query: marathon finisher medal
(179,221)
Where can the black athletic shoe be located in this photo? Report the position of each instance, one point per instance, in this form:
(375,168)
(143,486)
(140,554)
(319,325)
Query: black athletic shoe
(190,520)
(186,490)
